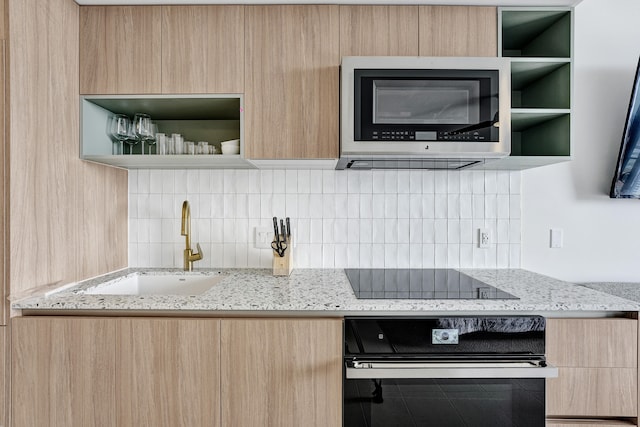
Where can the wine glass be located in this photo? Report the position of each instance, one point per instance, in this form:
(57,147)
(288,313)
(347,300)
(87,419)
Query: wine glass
(142,128)
(120,129)
(151,140)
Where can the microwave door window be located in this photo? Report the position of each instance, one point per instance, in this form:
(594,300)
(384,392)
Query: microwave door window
(426,102)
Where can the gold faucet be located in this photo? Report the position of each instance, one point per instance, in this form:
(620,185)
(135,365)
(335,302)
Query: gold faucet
(185,230)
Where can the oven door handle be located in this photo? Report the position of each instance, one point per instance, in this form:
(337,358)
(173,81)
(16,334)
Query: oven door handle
(380,370)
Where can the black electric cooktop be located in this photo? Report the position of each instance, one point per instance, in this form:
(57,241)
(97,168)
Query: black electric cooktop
(430,283)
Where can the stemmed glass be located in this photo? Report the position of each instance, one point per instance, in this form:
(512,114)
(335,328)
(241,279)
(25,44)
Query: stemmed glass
(142,128)
(151,140)
(120,129)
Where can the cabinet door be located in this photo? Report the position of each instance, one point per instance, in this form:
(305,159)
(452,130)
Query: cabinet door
(120,49)
(168,372)
(63,372)
(281,372)
(597,361)
(458,31)
(291,81)
(378,30)
(202,49)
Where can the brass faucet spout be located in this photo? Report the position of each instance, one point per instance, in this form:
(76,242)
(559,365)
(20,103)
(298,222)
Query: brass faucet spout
(185,230)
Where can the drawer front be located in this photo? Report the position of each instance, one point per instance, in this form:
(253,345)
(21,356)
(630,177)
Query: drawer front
(593,392)
(592,343)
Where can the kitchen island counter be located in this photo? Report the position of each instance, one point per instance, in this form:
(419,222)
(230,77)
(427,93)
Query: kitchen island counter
(323,292)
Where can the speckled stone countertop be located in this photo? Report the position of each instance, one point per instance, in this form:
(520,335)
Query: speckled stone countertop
(627,290)
(315,292)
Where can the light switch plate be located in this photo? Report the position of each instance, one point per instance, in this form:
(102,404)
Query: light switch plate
(556,238)
(263,237)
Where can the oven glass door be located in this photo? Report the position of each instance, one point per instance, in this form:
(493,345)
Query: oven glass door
(456,402)
(426,105)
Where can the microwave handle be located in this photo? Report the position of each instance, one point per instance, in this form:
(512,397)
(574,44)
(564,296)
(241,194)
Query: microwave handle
(384,370)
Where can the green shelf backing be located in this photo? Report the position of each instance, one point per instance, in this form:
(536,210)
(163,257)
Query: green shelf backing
(544,33)
(173,108)
(543,138)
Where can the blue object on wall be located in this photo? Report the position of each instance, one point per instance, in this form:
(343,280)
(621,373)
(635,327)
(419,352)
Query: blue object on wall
(626,181)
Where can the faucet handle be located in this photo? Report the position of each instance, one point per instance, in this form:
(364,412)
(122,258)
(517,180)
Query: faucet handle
(198,255)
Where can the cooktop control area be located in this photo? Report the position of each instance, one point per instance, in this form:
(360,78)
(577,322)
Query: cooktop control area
(431,283)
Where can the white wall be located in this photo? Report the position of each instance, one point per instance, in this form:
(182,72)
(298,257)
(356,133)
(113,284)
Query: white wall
(601,235)
(342,218)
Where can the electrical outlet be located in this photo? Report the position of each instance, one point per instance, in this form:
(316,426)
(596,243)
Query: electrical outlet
(263,237)
(484,238)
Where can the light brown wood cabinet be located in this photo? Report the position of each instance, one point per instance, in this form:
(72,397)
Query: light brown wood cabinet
(203,49)
(168,372)
(281,372)
(120,49)
(115,372)
(378,30)
(598,367)
(458,31)
(161,49)
(176,372)
(292,57)
(63,372)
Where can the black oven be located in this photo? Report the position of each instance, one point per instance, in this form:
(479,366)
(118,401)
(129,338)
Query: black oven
(445,372)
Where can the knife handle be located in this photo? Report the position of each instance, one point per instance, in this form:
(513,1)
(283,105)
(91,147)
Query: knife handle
(284,232)
(288,227)
(275,229)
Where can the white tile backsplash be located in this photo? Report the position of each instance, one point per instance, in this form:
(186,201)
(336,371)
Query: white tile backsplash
(417,219)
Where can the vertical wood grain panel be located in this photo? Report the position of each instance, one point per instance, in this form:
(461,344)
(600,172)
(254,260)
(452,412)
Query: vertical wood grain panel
(281,372)
(202,49)
(291,81)
(103,201)
(124,52)
(4,197)
(458,31)
(63,372)
(378,30)
(4,376)
(594,343)
(593,392)
(44,142)
(3,24)
(168,372)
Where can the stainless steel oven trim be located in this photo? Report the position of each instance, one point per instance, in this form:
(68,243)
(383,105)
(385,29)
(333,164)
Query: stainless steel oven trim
(405,370)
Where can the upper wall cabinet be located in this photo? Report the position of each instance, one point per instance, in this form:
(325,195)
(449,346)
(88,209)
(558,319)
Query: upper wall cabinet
(120,49)
(202,49)
(378,30)
(161,49)
(539,43)
(291,81)
(458,31)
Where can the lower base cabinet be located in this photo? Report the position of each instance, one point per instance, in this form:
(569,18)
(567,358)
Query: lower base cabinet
(70,371)
(278,372)
(597,360)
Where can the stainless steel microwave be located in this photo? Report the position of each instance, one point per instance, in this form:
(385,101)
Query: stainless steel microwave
(423,112)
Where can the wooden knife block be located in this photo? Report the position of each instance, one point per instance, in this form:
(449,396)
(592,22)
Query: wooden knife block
(283,266)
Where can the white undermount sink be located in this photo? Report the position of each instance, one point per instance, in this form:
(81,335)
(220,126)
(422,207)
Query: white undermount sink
(158,284)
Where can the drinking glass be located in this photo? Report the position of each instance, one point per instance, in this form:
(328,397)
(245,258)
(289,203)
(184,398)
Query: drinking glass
(151,140)
(142,128)
(120,129)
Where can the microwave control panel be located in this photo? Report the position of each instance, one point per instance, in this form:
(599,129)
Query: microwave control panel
(409,135)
